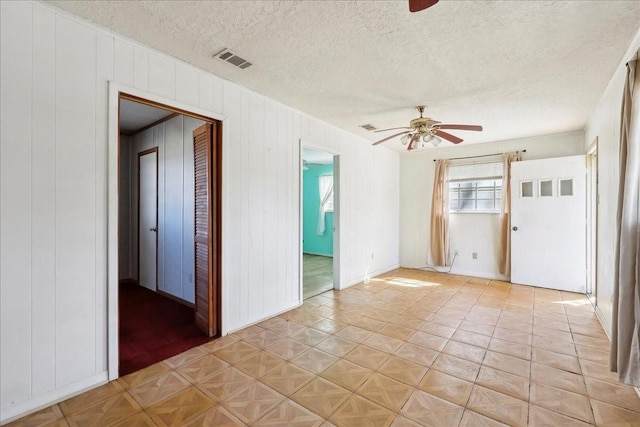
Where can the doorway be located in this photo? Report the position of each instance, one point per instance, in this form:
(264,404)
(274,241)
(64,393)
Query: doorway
(169,169)
(592,222)
(319,188)
(148,219)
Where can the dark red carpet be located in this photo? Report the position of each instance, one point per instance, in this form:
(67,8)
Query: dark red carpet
(153,328)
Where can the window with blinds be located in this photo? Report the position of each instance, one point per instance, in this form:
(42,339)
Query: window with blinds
(475,187)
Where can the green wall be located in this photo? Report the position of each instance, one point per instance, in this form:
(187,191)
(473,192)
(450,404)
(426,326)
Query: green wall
(312,243)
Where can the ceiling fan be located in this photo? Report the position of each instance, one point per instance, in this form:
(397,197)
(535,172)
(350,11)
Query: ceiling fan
(418,5)
(428,129)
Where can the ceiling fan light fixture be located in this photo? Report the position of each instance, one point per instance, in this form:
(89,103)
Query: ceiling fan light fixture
(427,137)
(435,140)
(406,138)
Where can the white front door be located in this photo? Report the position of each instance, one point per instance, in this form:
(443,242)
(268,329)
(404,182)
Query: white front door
(548,219)
(148,219)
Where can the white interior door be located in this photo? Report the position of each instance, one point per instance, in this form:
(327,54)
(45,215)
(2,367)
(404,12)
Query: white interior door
(548,218)
(148,219)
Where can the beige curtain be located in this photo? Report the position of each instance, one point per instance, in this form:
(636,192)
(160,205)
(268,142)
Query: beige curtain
(440,216)
(625,337)
(504,255)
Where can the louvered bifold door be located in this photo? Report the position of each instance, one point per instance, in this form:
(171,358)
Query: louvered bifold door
(205,301)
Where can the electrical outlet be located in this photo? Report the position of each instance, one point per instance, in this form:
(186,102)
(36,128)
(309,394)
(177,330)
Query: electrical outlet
(474,255)
(371,255)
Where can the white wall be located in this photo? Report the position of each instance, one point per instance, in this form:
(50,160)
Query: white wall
(174,140)
(604,124)
(469,232)
(53,201)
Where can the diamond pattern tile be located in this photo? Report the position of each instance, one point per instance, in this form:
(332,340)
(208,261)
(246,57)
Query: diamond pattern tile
(158,389)
(461,368)
(562,401)
(498,406)
(287,378)
(385,391)
(403,370)
(347,374)
(504,382)
(446,387)
(224,384)
(447,350)
(360,412)
(216,416)
(367,357)
(74,404)
(321,396)
(314,360)
(415,353)
(253,402)
(290,414)
(429,410)
(543,417)
(104,412)
(259,364)
(202,368)
(180,408)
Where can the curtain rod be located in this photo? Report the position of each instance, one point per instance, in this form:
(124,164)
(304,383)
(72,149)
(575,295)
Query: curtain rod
(483,155)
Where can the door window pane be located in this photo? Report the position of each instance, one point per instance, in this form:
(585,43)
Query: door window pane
(546,188)
(566,187)
(526,189)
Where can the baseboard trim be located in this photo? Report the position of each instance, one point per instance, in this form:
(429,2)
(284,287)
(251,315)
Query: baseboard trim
(262,319)
(367,276)
(45,400)
(176,299)
(603,322)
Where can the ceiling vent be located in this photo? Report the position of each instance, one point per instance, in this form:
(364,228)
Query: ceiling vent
(233,59)
(368,127)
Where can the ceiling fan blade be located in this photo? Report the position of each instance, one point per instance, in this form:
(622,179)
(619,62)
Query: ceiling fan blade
(416,136)
(461,127)
(451,138)
(418,5)
(384,130)
(389,137)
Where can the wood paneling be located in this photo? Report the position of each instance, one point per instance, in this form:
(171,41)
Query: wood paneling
(15,201)
(43,172)
(75,190)
(63,65)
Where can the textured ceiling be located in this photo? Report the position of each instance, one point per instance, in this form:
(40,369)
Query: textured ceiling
(519,68)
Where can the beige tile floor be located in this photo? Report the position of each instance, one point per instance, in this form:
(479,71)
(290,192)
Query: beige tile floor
(410,348)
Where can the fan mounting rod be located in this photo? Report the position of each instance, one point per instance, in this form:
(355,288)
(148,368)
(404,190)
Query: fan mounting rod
(421,124)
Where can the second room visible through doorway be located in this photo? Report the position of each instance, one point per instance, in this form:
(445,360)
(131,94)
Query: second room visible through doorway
(317,221)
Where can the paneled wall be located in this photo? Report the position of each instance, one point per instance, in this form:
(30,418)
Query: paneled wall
(174,140)
(53,202)
(469,232)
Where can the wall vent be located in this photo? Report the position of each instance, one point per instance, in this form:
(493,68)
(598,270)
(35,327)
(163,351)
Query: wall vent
(233,59)
(368,127)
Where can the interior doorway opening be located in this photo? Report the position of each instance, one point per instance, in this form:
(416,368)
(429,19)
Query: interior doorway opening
(168,232)
(319,189)
(592,222)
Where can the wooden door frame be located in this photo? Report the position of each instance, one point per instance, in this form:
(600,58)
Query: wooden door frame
(116,92)
(140,154)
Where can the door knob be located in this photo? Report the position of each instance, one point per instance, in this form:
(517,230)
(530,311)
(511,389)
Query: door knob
(514,228)
(153,229)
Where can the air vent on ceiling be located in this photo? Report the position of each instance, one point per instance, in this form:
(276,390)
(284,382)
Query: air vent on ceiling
(233,59)
(368,127)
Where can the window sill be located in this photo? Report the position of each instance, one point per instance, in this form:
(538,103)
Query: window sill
(473,212)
